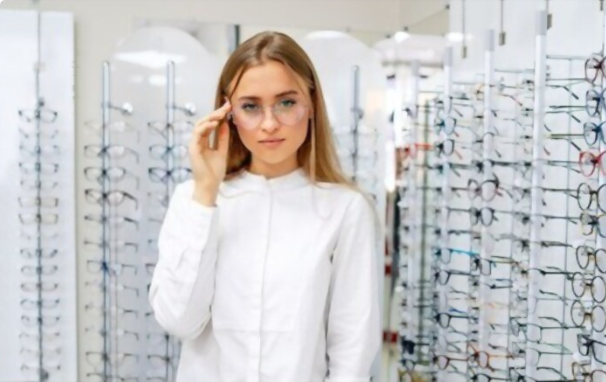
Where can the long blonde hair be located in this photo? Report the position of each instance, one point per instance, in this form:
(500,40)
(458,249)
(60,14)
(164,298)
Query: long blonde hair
(317,155)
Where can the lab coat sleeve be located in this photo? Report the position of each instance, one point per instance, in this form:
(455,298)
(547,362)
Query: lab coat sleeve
(353,337)
(182,286)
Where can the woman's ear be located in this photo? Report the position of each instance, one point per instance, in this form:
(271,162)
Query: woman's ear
(230,122)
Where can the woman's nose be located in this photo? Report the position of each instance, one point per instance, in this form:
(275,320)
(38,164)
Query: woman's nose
(269,122)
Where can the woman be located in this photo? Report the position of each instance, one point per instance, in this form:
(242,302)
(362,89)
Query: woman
(267,268)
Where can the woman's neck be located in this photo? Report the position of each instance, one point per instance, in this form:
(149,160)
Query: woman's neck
(272,170)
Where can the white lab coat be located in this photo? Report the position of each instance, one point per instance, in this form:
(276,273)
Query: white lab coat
(277,283)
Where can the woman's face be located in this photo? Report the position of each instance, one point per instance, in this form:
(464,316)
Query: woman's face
(271,110)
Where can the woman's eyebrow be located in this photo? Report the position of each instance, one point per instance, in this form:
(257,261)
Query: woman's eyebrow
(279,95)
(288,92)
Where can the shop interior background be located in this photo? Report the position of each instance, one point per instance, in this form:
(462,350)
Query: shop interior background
(419,62)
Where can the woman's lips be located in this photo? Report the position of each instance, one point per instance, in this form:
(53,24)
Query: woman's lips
(271,143)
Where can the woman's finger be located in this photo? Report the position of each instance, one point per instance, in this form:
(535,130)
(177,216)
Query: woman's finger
(200,135)
(217,114)
(224,133)
(203,129)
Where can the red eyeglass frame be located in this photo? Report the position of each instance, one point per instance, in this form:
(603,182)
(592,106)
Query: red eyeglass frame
(595,159)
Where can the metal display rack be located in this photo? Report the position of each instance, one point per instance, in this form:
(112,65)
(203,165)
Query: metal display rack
(517,291)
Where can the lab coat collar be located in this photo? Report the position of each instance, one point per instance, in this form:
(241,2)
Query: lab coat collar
(246,180)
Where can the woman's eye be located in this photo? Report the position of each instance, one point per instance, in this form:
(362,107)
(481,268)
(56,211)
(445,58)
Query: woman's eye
(249,107)
(287,103)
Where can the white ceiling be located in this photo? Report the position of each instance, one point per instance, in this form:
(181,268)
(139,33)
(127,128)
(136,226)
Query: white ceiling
(370,21)
(426,49)
(370,17)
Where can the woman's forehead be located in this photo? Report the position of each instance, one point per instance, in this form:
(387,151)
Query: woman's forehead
(269,81)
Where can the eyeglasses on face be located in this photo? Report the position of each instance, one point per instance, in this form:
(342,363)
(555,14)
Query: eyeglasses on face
(249,114)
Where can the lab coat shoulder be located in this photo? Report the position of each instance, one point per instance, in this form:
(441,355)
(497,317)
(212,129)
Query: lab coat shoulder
(359,205)
(352,201)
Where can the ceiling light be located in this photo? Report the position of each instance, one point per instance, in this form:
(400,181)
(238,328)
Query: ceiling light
(150,58)
(400,36)
(457,36)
